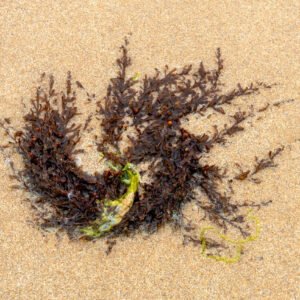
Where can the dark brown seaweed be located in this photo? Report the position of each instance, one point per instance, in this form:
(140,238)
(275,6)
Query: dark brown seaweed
(154,107)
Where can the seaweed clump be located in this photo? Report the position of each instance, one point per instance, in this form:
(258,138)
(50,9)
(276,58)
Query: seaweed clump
(65,195)
(154,108)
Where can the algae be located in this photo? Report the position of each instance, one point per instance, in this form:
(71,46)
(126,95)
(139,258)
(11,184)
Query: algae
(238,243)
(114,210)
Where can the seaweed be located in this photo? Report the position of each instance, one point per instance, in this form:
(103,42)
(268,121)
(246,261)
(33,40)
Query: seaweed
(151,112)
(114,210)
(259,165)
(238,243)
(65,195)
(155,110)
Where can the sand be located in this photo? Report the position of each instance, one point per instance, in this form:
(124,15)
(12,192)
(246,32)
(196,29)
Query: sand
(259,41)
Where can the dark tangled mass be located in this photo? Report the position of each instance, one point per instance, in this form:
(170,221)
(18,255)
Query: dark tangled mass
(152,109)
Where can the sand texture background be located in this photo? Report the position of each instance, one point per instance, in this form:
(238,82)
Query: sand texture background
(260,42)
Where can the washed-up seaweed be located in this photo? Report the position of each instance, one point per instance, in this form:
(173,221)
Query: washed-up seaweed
(65,196)
(153,109)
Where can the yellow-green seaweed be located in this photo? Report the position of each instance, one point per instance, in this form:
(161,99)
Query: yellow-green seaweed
(136,76)
(239,243)
(115,210)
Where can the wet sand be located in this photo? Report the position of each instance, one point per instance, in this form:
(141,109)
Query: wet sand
(259,41)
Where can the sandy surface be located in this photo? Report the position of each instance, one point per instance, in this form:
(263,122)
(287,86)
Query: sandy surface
(260,41)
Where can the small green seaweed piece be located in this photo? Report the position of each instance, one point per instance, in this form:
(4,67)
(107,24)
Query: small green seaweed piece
(239,244)
(136,76)
(101,156)
(115,210)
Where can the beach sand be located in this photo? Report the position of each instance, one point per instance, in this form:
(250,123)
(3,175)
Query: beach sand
(259,41)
